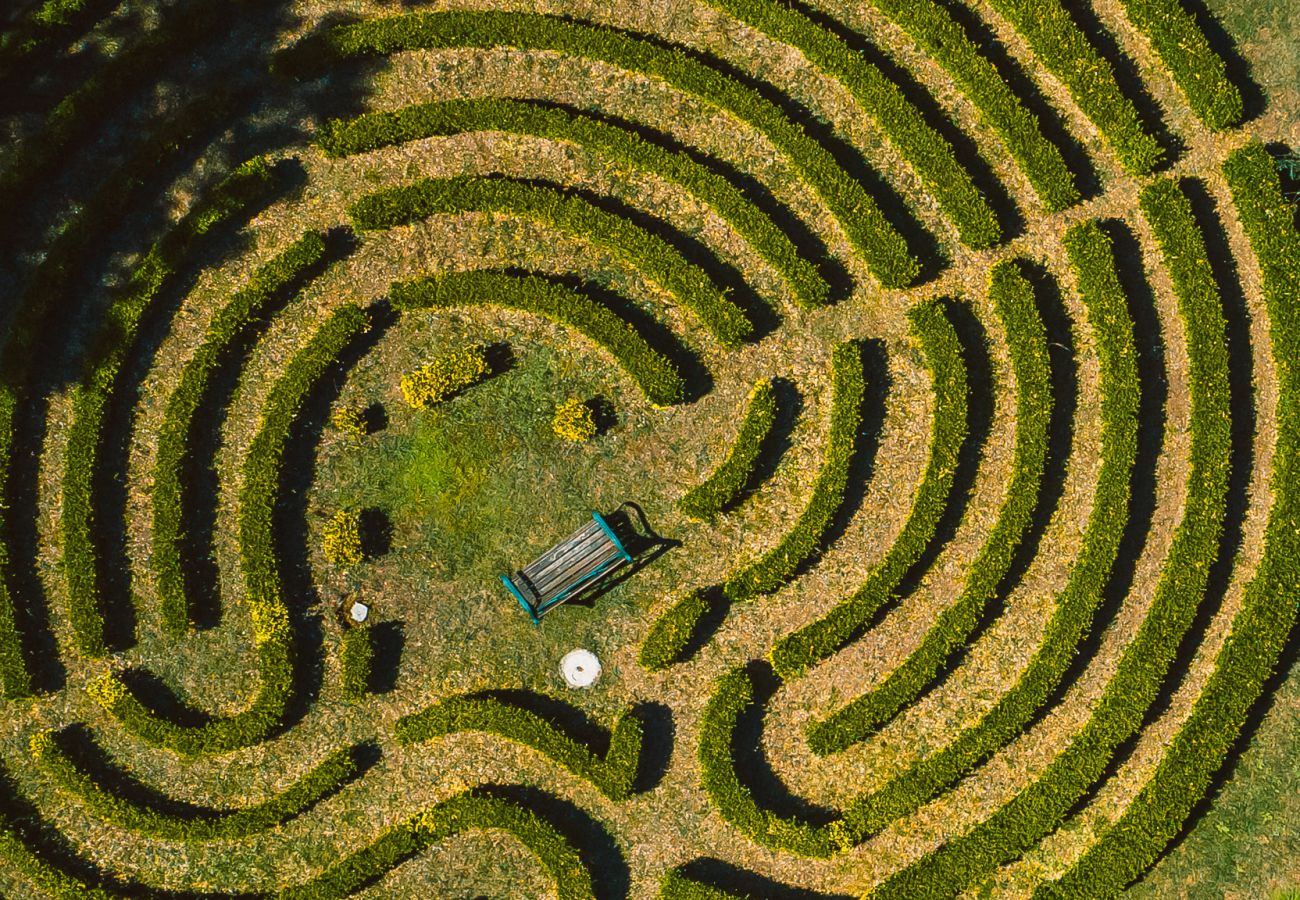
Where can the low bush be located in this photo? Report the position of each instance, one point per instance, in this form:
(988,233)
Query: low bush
(446,117)
(776,566)
(809,645)
(356,661)
(193,825)
(925,150)
(659,260)
(656,376)
(612,775)
(1013,298)
(350,419)
(675,885)
(271,281)
(671,633)
(1059,44)
(341,538)
(880,245)
(574,421)
(730,479)
(1144,662)
(1106,306)
(445,377)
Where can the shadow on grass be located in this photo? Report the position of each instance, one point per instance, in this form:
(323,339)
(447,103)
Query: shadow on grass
(724,876)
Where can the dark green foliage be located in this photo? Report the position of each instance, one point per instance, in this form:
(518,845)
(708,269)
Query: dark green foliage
(943,356)
(883,249)
(676,886)
(612,775)
(1013,298)
(356,661)
(654,373)
(381,129)
(1259,631)
(1059,44)
(771,570)
(199,824)
(672,631)
(1192,62)
(725,486)
(686,281)
(929,154)
(92,398)
(245,307)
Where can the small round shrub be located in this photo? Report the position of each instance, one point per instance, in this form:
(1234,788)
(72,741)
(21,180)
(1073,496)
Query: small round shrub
(445,376)
(341,543)
(574,421)
(349,419)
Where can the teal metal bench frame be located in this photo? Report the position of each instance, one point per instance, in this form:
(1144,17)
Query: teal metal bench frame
(612,555)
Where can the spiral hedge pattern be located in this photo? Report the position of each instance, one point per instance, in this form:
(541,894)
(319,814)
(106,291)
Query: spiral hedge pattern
(959,365)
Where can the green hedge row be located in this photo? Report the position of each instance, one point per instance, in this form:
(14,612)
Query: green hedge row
(676,886)
(771,570)
(928,153)
(1145,662)
(447,117)
(1198,70)
(197,825)
(687,282)
(245,307)
(1013,298)
(656,375)
(947,43)
(612,775)
(356,661)
(884,250)
(271,628)
(92,398)
(670,634)
(1090,254)
(799,650)
(456,815)
(725,486)
(1259,631)
(1063,49)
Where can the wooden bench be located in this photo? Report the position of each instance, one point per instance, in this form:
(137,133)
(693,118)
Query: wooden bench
(567,569)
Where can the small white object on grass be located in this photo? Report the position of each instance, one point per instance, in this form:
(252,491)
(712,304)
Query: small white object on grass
(580,668)
(359,611)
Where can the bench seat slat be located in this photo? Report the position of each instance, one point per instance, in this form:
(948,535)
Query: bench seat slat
(574,569)
(567,568)
(571,552)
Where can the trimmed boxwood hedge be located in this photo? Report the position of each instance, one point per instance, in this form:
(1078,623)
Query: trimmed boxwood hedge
(1259,631)
(356,661)
(670,634)
(271,628)
(195,825)
(456,815)
(771,570)
(1039,807)
(1013,298)
(1091,257)
(283,273)
(729,480)
(809,645)
(1063,49)
(446,117)
(880,245)
(91,399)
(1196,68)
(927,151)
(656,375)
(658,259)
(674,885)
(612,775)
(947,43)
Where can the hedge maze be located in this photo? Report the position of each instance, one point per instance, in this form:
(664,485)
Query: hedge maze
(952,369)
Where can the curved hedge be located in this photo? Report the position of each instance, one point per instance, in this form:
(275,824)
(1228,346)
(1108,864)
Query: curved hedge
(245,307)
(728,481)
(612,775)
(671,633)
(801,649)
(656,375)
(771,570)
(195,825)
(1090,254)
(1062,47)
(1013,298)
(1144,663)
(871,235)
(925,150)
(686,281)
(370,131)
(271,628)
